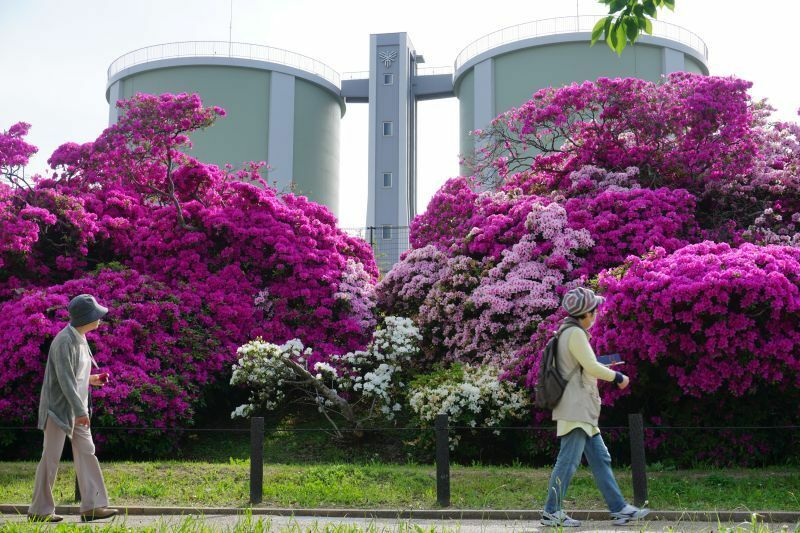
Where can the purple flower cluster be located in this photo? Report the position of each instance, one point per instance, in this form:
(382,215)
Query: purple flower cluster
(514,296)
(14,151)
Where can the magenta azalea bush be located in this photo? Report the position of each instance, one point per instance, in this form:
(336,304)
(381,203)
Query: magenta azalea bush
(192,260)
(680,201)
(631,222)
(715,330)
(156,347)
(717,318)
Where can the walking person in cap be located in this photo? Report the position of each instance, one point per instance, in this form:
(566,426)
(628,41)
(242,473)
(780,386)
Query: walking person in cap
(64,412)
(577,414)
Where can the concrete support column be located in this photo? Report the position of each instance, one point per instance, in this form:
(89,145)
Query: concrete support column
(392,150)
(672,61)
(484,94)
(113,98)
(484,110)
(280,149)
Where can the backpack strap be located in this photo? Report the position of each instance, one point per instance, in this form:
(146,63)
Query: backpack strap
(574,370)
(577,367)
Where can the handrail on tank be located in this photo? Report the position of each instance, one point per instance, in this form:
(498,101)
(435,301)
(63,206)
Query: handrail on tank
(572,24)
(224,49)
(356,75)
(421,71)
(433,71)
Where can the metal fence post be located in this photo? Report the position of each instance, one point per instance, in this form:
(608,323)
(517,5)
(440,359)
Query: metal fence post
(77,489)
(256,459)
(638,465)
(442,461)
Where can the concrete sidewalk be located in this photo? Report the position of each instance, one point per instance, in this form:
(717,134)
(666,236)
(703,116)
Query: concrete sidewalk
(784,517)
(461,520)
(224,522)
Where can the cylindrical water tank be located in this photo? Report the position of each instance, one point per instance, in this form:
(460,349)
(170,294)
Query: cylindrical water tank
(283,108)
(503,69)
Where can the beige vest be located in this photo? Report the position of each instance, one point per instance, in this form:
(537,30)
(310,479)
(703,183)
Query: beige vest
(581,399)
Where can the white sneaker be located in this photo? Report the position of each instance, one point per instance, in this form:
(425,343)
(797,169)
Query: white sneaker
(628,513)
(559,519)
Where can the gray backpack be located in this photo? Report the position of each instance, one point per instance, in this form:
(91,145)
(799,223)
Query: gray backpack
(550,385)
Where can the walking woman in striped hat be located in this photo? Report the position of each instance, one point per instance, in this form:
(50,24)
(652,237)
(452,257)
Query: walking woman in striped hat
(577,415)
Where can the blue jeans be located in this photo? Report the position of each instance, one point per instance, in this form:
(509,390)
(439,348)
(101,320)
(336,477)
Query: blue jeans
(573,445)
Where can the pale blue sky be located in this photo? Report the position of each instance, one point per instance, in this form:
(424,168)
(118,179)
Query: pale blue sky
(54,55)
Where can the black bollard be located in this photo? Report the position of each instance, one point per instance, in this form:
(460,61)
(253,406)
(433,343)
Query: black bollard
(256,459)
(442,461)
(638,465)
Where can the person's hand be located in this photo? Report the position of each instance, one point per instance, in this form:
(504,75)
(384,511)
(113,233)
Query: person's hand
(82,421)
(624,383)
(98,380)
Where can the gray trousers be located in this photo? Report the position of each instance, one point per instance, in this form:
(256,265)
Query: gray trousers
(87,468)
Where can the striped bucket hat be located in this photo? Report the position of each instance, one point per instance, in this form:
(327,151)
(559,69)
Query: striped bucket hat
(580,301)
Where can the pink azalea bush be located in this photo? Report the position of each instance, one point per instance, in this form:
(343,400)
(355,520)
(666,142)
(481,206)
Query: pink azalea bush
(460,220)
(514,296)
(404,288)
(717,318)
(203,259)
(470,309)
(446,308)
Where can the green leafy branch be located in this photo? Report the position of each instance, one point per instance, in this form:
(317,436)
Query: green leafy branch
(626,20)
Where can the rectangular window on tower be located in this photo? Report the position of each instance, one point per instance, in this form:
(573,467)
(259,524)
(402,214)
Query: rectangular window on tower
(387,232)
(387,180)
(388,79)
(388,129)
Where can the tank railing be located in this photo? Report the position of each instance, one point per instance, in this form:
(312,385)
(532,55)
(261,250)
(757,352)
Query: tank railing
(359,75)
(421,71)
(432,71)
(224,49)
(557,25)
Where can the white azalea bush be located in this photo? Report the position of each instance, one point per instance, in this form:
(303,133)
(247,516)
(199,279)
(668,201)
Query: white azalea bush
(358,386)
(471,396)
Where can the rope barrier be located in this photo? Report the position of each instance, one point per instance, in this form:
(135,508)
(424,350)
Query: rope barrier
(410,428)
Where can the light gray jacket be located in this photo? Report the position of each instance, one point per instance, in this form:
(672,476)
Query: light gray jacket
(60,398)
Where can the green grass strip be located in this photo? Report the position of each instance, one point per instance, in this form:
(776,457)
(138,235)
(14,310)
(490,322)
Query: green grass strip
(376,485)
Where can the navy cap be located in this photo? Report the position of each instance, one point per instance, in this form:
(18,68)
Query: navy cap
(84,309)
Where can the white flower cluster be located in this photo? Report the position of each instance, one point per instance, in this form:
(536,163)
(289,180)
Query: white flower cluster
(372,377)
(323,368)
(375,373)
(261,369)
(474,397)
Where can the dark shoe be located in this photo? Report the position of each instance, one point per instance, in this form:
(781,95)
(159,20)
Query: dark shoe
(98,514)
(45,518)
